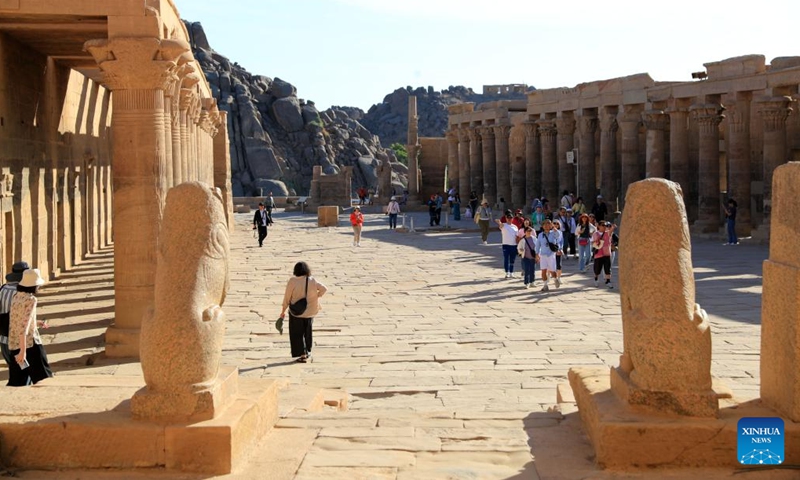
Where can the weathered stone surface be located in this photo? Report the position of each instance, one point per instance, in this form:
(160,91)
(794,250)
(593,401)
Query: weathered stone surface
(666,361)
(181,339)
(288,115)
(282,89)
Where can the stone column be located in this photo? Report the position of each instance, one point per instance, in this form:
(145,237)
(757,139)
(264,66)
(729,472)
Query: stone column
(452,160)
(587,181)
(176,128)
(533,161)
(655,121)
(222,166)
(475,160)
(501,133)
(464,187)
(547,132)
(780,315)
(739,178)
(412,149)
(489,164)
(169,94)
(708,117)
(629,121)
(609,173)
(518,180)
(185,104)
(679,150)
(773,112)
(565,140)
(137,82)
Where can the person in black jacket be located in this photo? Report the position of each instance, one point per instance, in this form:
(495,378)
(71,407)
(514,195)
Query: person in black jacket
(261,220)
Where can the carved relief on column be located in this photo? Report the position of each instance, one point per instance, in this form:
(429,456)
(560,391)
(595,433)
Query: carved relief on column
(773,113)
(738,151)
(655,121)
(609,169)
(503,162)
(464,187)
(533,162)
(476,180)
(708,117)
(137,71)
(452,159)
(565,128)
(488,164)
(587,178)
(176,128)
(547,135)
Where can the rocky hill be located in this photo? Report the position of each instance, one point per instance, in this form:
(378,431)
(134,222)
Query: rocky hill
(389,120)
(277,138)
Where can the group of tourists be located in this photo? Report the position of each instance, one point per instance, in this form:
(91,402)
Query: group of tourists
(20,342)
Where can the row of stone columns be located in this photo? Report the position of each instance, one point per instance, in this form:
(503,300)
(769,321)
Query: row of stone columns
(162,136)
(479,155)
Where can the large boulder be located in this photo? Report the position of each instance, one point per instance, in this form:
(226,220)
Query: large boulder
(287,113)
(261,159)
(199,38)
(368,167)
(282,89)
(267,185)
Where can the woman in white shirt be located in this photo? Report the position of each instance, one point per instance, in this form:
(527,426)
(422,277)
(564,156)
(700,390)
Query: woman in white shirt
(302,287)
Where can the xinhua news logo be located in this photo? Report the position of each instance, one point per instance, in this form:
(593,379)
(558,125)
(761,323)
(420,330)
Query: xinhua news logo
(760,441)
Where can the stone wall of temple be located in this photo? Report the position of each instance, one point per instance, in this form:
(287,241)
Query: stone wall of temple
(433,160)
(720,137)
(54,126)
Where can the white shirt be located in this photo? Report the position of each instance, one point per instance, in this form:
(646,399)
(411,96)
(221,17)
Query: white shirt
(509,233)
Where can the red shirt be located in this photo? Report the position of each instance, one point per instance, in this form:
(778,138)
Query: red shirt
(517,221)
(356,218)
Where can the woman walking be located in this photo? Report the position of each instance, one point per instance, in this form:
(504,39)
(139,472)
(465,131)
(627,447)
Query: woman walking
(527,249)
(584,232)
(484,215)
(301,317)
(601,243)
(392,210)
(24,343)
(457,207)
(730,222)
(357,221)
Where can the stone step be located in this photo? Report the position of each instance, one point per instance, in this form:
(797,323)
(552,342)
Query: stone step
(302,398)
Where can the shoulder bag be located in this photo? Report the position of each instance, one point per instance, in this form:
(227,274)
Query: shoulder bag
(297,308)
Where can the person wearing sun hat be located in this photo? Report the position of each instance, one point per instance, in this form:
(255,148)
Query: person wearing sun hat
(30,364)
(7,292)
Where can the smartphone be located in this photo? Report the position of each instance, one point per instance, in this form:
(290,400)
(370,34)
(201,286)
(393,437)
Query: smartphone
(24,364)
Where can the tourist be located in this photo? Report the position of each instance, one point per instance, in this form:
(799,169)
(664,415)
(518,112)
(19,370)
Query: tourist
(535,203)
(432,209)
(578,208)
(730,222)
(362,195)
(405,198)
(558,228)
(439,203)
(547,246)
(484,216)
(569,228)
(527,249)
(473,202)
(393,209)
(451,197)
(357,221)
(508,216)
(457,207)
(584,231)
(612,229)
(561,219)
(501,204)
(600,210)
(518,219)
(508,231)
(525,223)
(261,220)
(601,243)
(270,204)
(302,286)
(30,364)
(566,200)
(537,218)
(7,292)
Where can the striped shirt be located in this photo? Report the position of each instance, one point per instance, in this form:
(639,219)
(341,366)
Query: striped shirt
(7,292)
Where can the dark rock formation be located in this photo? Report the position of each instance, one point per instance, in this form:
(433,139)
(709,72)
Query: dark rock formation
(277,138)
(389,120)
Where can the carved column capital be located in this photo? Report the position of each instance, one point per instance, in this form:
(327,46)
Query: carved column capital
(708,116)
(463,134)
(451,135)
(502,131)
(547,129)
(608,123)
(475,134)
(565,125)
(530,129)
(137,63)
(737,116)
(587,125)
(774,112)
(629,119)
(655,119)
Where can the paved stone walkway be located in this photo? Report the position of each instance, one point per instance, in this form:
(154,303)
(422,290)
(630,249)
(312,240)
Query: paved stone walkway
(452,369)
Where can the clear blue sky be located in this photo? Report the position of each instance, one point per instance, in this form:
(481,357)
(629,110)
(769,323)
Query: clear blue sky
(354,52)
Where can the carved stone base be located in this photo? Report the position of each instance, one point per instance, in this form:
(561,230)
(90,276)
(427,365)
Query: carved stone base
(196,406)
(694,404)
(625,436)
(84,422)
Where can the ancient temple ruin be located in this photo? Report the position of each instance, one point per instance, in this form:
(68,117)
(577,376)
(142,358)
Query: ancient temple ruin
(720,137)
(105,109)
